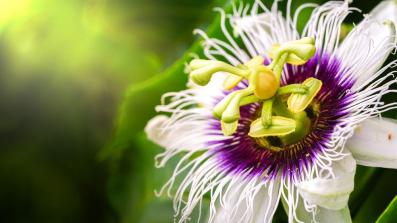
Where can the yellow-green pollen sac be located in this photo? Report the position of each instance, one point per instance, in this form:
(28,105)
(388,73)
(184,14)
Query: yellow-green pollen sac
(283,107)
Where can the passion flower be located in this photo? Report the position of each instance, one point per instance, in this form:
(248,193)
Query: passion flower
(248,143)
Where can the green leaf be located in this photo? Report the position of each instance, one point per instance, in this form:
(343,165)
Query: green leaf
(377,199)
(389,215)
(133,177)
(140,100)
(364,182)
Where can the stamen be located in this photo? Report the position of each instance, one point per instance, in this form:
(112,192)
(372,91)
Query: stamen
(280,126)
(202,70)
(263,87)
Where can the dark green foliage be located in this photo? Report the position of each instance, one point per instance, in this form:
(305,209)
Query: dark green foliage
(389,215)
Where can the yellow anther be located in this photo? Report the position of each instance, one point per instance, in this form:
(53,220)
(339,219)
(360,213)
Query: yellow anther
(231,81)
(298,102)
(229,128)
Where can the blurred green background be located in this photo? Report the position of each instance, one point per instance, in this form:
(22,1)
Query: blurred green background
(78,81)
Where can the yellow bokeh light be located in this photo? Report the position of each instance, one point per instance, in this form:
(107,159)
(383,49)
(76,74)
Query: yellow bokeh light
(12,9)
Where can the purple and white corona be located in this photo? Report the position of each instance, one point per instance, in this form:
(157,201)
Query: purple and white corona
(273,115)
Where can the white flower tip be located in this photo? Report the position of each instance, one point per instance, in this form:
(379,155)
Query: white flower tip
(153,128)
(218,9)
(198,32)
(385,10)
(391,25)
(157,108)
(388,22)
(392,28)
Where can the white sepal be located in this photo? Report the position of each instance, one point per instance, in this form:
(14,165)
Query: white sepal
(375,143)
(331,192)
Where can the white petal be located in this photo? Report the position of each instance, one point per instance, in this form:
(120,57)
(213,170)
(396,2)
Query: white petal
(331,193)
(375,143)
(367,47)
(189,125)
(265,202)
(181,136)
(154,132)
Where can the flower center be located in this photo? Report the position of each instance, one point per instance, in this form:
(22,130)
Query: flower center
(315,125)
(282,119)
(305,121)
